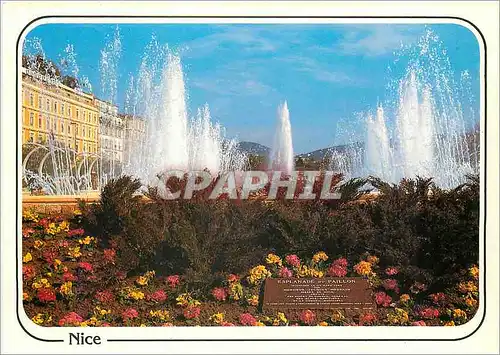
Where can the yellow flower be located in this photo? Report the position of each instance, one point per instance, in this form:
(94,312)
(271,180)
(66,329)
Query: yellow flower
(74,252)
(303,271)
(93,321)
(372,259)
(315,273)
(337,316)
(217,318)
(87,240)
(77,212)
(26,296)
(253,300)
(64,226)
(52,229)
(257,274)
(84,324)
(38,319)
(186,299)
(160,315)
(470,301)
(57,262)
(404,298)
(49,274)
(143,325)
(259,324)
(273,259)
(398,316)
(323,324)
(449,324)
(136,295)
(468,286)
(27,258)
(142,281)
(42,283)
(39,244)
(459,314)
(281,317)
(30,216)
(363,268)
(474,272)
(319,256)
(66,288)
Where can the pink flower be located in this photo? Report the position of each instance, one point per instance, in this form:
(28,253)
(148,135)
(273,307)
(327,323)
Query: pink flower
(419,323)
(191,312)
(342,262)
(71,318)
(44,222)
(68,276)
(74,232)
(158,296)
(50,256)
(336,270)
(285,272)
(367,318)
(292,260)
(232,278)
(46,295)
(85,266)
(391,271)
(308,317)
(129,313)
(390,284)
(219,293)
(120,275)
(105,324)
(104,296)
(227,324)
(429,313)
(63,244)
(418,287)
(437,297)
(383,299)
(173,280)
(247,319)
(27,232)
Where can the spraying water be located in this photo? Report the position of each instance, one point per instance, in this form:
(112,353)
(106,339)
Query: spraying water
(281,158)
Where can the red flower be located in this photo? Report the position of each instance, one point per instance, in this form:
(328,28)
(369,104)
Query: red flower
(419,323)
(227,324)
(437,297)
(28,272)
(418,287)
(342,262)
(429,313)
(44,222)
(292,260)
(232,278)
(285,272)
(120,275)
(173,280)
(85,266)
(27,232)
(307,317)
(368,318)
(63,244)
(382,299)
(247,319)
(74,232)
(71,318)
(391,284)
(104,296)
(391,271)
(46,295)
(91,278)
(129,313)
(191,312)
(49,256)
(219,293)
(158,296)
(105,324)
(336,271)
(109,255)
(68,276)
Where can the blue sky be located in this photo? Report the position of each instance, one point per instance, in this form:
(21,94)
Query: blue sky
(327,73)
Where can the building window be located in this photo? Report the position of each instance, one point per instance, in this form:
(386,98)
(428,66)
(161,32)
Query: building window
(32,137)
(85,116)
(62,108)
(47,123)
(77,113)
(84,147)
(39,120)
(83,130)
(39,102)
(31,99)
(31,118)
(47,105)
(55,106)
(62,125)
(69,111)
(69,129)
(76,132)
(40,138)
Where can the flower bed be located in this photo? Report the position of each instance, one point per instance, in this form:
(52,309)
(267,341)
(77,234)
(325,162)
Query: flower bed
(70,279)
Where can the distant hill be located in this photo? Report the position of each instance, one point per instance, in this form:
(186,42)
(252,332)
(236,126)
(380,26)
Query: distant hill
(254,148)
(320,154)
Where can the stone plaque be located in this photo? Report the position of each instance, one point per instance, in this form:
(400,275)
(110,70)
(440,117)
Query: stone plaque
(318,293)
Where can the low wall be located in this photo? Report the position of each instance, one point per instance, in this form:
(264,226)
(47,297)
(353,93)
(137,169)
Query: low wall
(57,204)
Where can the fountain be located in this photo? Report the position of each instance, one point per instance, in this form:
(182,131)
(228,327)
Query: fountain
(281,157)
(429,137)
